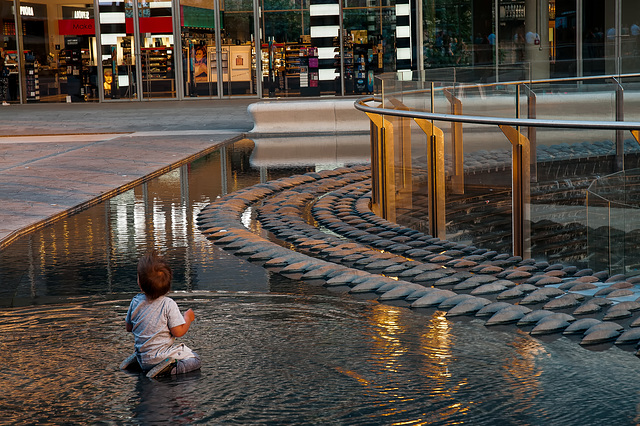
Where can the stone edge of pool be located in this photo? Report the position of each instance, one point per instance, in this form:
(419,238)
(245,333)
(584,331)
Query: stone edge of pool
(348,248)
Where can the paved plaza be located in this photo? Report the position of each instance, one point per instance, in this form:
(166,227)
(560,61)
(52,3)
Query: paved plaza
(55,157)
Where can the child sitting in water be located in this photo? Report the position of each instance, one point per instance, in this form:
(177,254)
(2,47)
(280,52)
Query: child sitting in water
(155,321)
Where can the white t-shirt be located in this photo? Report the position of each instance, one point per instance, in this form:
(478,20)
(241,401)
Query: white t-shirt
(151,322)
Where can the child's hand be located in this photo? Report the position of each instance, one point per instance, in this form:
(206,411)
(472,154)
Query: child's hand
(189,316)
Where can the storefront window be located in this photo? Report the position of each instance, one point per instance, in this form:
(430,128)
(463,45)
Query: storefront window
(156,50)
(238,46)
(630,36)
(448,37)
(58,45)
(286,48)
(199,58)
(71,66)
(369,46)
(10,47)
(118,50)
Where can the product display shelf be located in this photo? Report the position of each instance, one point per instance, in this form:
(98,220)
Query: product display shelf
(157,63)
(32,81)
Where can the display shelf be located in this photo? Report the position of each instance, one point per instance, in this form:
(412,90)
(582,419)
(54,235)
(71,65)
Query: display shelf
(213,63)
(157,63)
(512,10)
(32,81)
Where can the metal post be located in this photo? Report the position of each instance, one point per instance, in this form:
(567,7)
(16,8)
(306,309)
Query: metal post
(435,184)
(178,75)
(619,133)
(22,71)
(218,37)
(520,186)
(257,42)
(382,166)
(138,50)
(96,23)
(341,35)
(457,147)
(532,133)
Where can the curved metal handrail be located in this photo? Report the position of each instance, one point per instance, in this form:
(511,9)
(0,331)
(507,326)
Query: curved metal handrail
(360,104)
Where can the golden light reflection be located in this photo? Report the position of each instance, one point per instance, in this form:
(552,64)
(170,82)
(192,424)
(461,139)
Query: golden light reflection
(53,249)
(436,349)
(354,376)
(65,237)
(520,372)
(88,236)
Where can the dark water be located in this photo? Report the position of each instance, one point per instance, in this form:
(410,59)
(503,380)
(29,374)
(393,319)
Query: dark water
(274,351)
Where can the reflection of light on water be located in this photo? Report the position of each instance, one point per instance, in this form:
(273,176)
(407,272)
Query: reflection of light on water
(521,371)
(389,346)
(436,348)
(246,218)
(179,225)
(159,224)
(139,221)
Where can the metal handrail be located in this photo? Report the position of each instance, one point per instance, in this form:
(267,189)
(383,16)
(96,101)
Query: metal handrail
(542,81)
(360,104)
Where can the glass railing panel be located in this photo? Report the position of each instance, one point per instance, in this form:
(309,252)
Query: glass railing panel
(598,236)
(614,223)
(564,163)
(479,209)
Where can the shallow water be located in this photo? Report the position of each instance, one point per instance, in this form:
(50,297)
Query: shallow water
(306,359)
(275,351)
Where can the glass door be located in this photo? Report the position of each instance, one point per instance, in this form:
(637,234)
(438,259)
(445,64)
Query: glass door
(238,47)
(157,59)
(117,50)
(199,54)
(565,39)
(630,36)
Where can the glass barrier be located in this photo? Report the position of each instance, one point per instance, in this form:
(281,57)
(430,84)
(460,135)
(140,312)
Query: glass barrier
(613,217)
(511,189)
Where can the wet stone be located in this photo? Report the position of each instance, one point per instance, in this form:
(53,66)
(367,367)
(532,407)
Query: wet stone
(620,293)
(395,269)
(380,264)
(616,314)
(562,302)
(440,259)
(319,273)
(431,275)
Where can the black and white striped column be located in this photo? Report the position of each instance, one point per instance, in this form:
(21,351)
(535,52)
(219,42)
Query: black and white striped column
(324,28)
(112,23)
(403,35)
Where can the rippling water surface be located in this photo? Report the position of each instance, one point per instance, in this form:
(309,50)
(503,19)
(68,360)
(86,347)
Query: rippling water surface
(275,351)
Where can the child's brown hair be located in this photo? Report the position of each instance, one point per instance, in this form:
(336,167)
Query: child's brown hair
(154,275)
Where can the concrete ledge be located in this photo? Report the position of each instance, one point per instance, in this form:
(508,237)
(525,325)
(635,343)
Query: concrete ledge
(308,116)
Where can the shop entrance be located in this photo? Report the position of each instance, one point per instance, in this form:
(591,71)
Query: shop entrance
(218,48)
(54,60)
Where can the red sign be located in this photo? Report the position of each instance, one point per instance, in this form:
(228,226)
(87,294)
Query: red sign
(155,25)
(76,27)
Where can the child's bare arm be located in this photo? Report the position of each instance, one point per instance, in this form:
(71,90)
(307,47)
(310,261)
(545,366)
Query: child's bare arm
(181,330)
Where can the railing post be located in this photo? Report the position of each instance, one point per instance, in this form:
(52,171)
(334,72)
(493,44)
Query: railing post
(532,134)
(520,188)
(382,167)
(457,148)
(435,184)
(619,133)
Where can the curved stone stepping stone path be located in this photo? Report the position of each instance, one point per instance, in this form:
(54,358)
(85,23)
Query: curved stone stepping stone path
(319,227)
